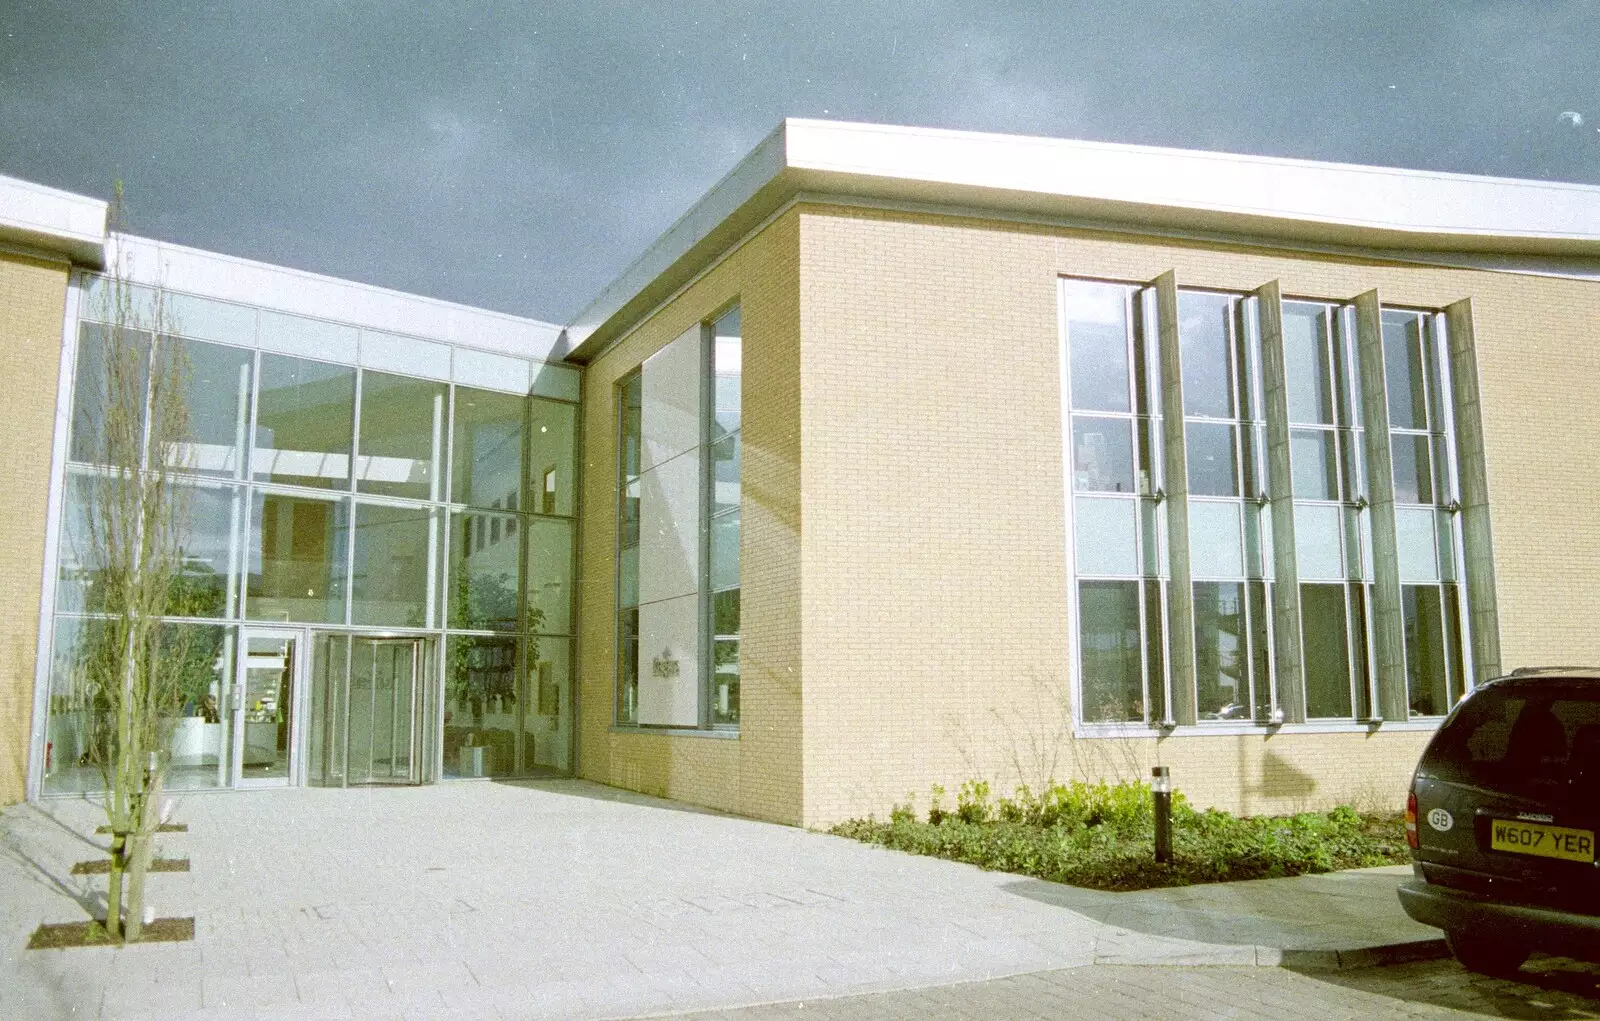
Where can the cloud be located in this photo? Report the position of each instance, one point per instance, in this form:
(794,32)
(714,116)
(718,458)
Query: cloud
(518,157)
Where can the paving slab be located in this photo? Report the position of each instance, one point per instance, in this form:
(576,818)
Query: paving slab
(569,899)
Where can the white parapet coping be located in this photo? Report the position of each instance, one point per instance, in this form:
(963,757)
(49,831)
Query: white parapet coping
(52,221)
(1426,216)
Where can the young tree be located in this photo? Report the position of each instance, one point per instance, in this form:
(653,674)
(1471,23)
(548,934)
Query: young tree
(136,516)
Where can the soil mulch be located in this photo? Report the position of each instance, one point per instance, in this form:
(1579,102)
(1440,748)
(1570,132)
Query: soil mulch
(102,866)
(65,935)
(166,827)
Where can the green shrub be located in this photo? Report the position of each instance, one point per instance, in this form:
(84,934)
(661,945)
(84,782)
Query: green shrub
(1102,835)
(902,814)
(972,802)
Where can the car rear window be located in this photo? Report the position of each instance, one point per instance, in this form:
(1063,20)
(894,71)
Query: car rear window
(1540,738)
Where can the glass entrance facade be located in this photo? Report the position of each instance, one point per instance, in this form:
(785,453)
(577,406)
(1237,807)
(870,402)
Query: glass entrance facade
(387,520)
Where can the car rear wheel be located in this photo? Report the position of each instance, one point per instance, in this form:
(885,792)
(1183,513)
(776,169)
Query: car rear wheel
(1489,955)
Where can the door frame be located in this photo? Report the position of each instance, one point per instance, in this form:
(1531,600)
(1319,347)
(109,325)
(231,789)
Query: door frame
(297,709)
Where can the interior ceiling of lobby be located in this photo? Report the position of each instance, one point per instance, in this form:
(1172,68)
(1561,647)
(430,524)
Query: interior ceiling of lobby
(519,158)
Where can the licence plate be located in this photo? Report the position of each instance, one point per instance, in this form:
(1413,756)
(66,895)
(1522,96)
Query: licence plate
(1543,841)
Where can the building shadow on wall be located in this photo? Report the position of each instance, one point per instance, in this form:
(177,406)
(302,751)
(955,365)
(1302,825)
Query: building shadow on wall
(1278,781)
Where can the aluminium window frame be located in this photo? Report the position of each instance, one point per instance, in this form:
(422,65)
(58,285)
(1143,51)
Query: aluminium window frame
(1355,542)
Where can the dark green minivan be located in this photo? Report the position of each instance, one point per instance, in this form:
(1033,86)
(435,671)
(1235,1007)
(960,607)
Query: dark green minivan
(1502,818)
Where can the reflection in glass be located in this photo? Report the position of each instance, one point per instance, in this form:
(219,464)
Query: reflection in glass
(630,400)
(1102,455)
(77,731)
(1313,455)
(725,644)
(385,682)
(1308,381)
(81,581)
(207,585)
(725,457)
(1108,641)
(304,423)
(195,662)
(481,711)
(1353,461)
(1260,649)
(1097,345)
(1427,678)
(1212,468)
(485,572)
(727,373)
(199,660)
(391,584)
(296,559)
(1222,690)
(547,721)
(92,387)
(1358,644)
(1204,339)
(549,576)
(725,554)
(269,696)
(1155,650)
(1407,369)
(329,702)
(1326,654)
(628,665)
(1413,475)
(217,397)
(402,436)
(486,458)
(727,382)
(551,476)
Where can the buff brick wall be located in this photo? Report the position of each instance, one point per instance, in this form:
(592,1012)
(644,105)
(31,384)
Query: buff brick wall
(758,773)
(933,575)
(32,308)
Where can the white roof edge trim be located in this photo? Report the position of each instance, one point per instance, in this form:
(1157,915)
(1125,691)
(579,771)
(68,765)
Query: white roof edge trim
(1416,201)
(804,124)
(1425,205)
(276,288)
(758,168)
(56,221)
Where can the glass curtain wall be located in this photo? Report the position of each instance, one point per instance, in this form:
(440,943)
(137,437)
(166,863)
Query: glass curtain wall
(345,499)
(1113,389)
(1114,422)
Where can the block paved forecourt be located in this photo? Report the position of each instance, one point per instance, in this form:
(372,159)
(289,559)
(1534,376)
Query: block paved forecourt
(1437,989)
(565,899)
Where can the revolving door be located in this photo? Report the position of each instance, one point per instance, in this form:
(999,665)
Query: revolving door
(372,710)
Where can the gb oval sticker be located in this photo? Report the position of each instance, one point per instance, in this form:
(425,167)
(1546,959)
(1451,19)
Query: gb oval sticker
(1440,820)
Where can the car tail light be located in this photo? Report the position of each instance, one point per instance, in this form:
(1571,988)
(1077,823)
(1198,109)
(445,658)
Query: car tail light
(1411,820)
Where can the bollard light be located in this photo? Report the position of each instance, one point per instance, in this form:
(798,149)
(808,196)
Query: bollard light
(1161,791)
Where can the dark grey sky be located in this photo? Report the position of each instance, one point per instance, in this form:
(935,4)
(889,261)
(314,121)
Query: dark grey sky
(518,156)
